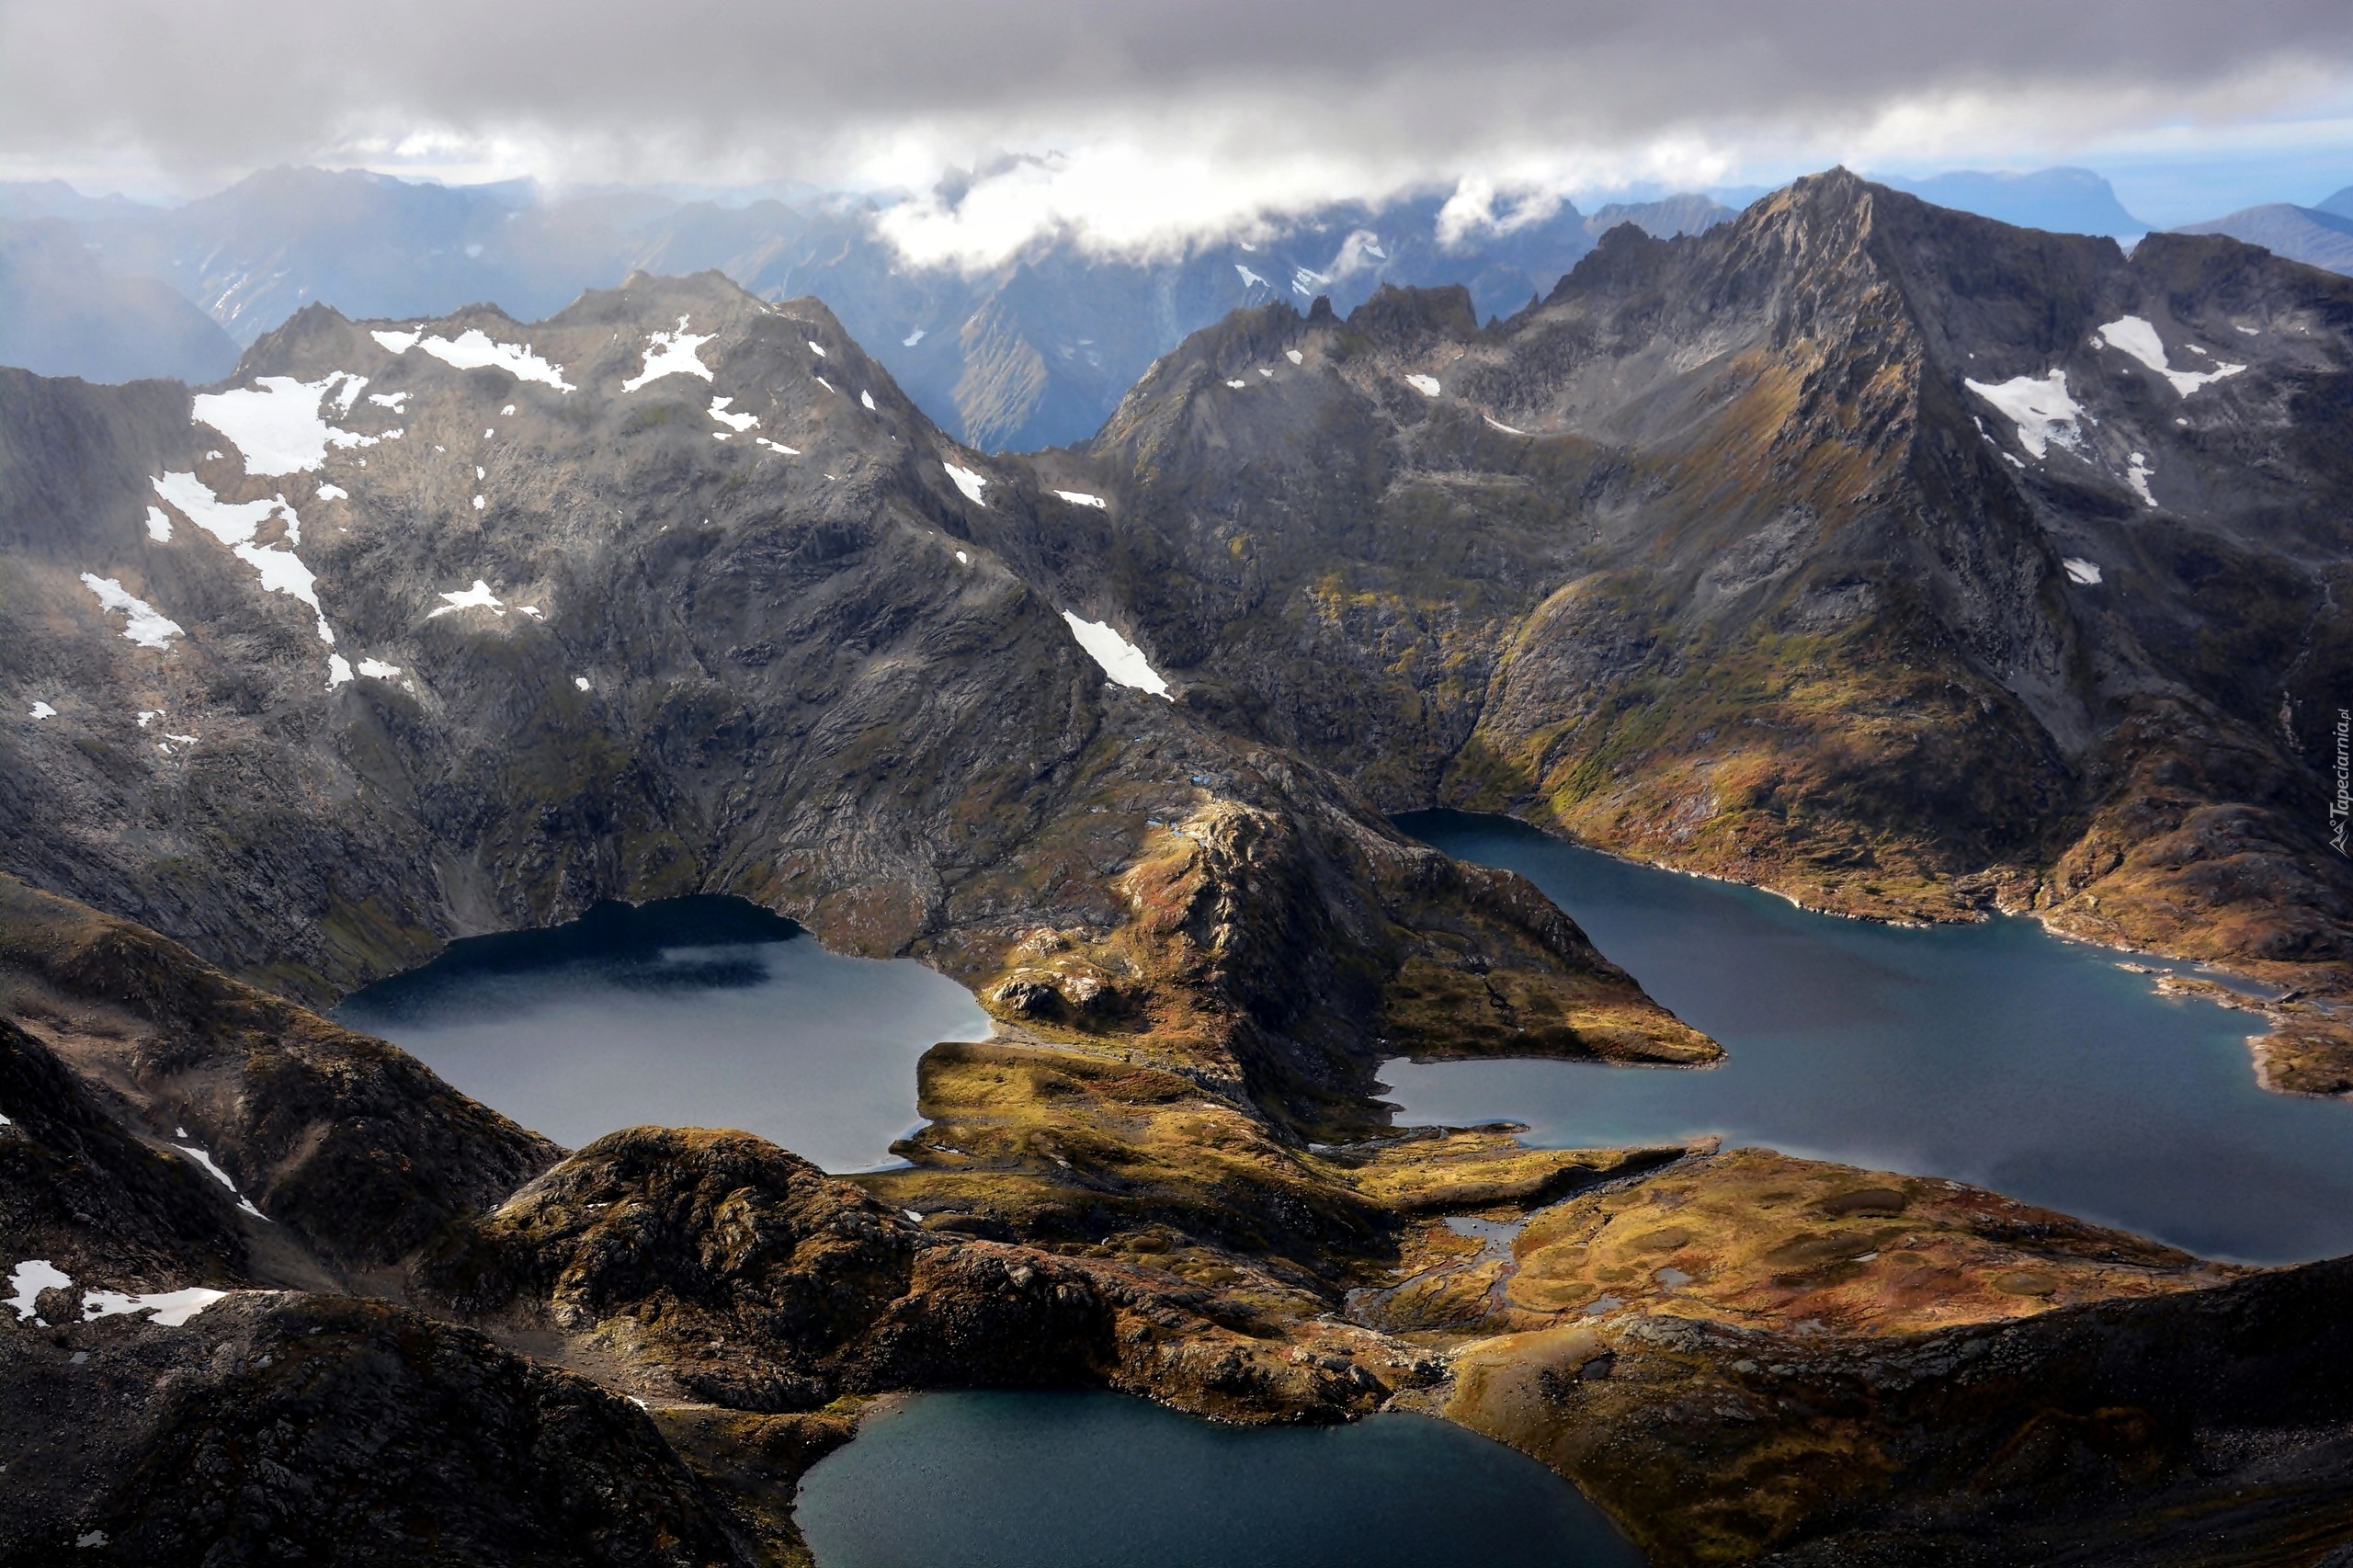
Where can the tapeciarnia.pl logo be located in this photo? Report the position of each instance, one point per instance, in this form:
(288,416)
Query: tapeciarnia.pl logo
(2340,810)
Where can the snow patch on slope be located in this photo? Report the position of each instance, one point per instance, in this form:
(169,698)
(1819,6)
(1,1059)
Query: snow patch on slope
(276,422)
(473,349)
(146,626)
(479,596)
(967,481)
(1121,659)
(171,1308)
(29,1278)
(2132,336)
(235,523)
(676,353)
(201,1158)
(2039,406)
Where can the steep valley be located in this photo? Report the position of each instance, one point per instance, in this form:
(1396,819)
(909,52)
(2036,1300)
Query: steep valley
(1719,557)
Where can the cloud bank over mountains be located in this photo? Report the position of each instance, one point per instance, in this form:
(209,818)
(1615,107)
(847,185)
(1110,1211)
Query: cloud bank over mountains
(1139,126)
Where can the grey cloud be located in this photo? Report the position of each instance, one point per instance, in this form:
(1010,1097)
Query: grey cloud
(219,87)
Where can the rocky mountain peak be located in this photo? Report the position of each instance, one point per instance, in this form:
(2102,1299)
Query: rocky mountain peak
(1625,254)
(1406,318)
(1846,420)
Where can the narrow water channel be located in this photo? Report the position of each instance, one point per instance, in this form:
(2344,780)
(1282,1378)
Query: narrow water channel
(691,1012)
(1992,1054)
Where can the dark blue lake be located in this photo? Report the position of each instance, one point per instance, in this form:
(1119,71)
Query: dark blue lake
(691,1012)
(1993,1054)
(1067,1480)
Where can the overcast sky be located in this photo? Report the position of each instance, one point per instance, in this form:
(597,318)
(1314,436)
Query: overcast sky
(1154,120)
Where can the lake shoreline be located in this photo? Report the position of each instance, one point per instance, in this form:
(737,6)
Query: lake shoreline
(2306,1051)
(1995,1051)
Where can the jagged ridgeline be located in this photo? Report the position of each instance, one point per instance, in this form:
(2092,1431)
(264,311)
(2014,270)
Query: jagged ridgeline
(1898,560)
(1905,562)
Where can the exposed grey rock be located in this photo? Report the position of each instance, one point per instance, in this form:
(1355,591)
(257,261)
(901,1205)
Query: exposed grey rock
(275,1427)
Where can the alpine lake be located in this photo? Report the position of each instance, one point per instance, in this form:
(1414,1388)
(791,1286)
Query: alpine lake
(1992,1054)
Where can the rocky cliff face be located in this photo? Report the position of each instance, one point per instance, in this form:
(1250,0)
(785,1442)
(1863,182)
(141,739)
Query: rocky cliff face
(1902,560)
(149,1071)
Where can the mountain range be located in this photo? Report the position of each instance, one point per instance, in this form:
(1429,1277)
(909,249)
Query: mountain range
(1911,563)
(1030,351)
(2319,235)
(1809,550)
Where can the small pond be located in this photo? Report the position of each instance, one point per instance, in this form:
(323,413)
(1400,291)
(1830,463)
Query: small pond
(1992,1054)
(691,1012)
(1069,1480)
